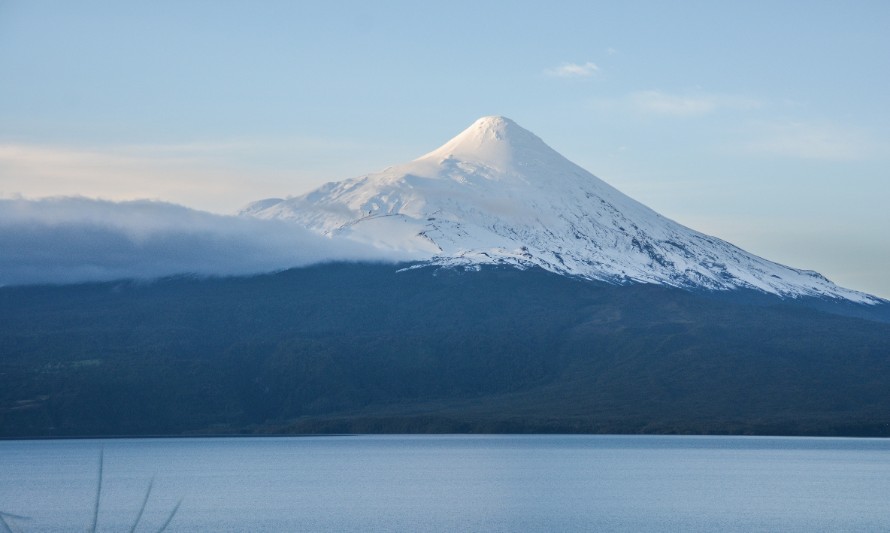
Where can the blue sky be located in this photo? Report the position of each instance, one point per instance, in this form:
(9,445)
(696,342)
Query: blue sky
(763,123)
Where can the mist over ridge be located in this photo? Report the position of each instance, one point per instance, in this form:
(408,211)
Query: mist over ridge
(75,239)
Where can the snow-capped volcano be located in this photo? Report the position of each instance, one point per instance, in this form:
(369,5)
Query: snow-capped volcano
(497,194)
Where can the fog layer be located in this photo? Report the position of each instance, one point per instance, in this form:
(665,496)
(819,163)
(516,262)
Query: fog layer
(73,239)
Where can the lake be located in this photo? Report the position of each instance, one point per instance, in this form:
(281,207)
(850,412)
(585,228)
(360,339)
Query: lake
(450,483)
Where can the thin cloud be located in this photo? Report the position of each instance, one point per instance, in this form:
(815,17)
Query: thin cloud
(206,175)
(807,140)
(573,70)
(661,103)
(70,240)
(666,104)
(118,173)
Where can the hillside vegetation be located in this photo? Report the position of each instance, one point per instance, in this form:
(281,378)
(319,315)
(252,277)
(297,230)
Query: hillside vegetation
(347,348)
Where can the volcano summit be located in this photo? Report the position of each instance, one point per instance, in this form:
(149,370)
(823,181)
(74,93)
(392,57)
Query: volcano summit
(497,194)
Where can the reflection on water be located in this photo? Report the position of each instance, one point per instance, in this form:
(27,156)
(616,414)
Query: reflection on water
(451,483)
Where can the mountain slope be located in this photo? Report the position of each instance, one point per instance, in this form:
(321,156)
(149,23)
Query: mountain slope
(363,348)
(497,194)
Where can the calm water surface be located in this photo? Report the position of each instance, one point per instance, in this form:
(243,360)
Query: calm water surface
(452,483)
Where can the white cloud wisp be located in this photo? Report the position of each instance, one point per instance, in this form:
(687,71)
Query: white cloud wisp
(661,103)
(71,240)
(814,141)
(573,70)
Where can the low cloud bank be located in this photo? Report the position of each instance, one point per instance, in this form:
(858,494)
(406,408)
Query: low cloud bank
(70,240)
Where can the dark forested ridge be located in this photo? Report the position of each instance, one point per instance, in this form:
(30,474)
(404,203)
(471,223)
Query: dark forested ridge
(362,348)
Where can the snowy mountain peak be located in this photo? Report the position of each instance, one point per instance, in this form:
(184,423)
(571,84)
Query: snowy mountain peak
(497,194)
(499,144)
(485,131)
